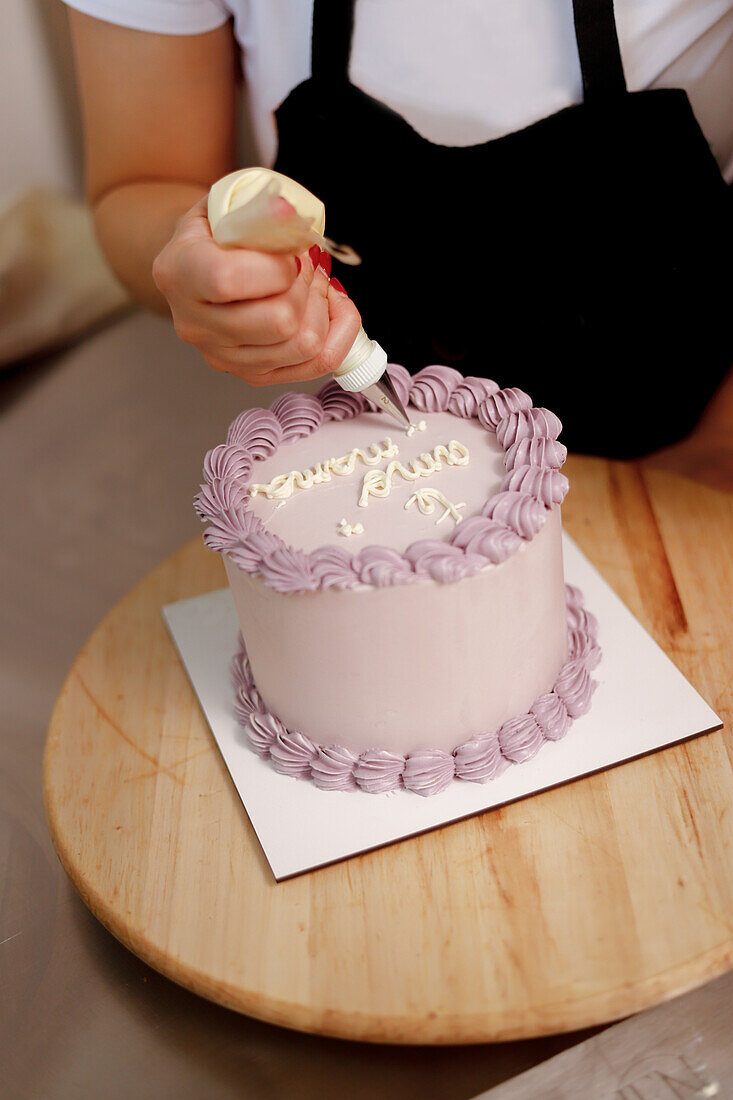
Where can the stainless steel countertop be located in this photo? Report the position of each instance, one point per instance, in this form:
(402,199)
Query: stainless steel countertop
(101,451)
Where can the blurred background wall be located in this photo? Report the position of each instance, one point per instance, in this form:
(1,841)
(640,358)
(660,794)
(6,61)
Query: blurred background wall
(40,136)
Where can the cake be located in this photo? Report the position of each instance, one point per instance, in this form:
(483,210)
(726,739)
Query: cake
(404,617)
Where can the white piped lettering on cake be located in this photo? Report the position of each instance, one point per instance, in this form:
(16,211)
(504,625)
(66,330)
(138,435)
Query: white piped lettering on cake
(426,499)
(378,483)
(284,485)
(419,427)
(348,529)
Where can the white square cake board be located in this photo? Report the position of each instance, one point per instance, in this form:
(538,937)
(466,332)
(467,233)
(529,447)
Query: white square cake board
(642,703)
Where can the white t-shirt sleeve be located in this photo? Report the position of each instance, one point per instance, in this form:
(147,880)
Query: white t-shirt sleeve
(158,16)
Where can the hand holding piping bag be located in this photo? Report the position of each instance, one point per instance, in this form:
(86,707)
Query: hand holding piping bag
(267,317)
(263,210)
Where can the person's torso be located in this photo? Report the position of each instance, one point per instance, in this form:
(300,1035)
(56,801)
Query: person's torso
(491,67)
(587,253)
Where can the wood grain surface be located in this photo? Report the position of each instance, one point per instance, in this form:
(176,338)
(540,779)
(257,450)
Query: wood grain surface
(571,908)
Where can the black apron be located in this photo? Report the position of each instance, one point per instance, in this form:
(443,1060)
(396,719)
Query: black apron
(586,258)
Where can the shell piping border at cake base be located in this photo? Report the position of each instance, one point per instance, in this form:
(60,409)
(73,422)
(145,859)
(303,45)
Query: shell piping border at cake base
(429,771)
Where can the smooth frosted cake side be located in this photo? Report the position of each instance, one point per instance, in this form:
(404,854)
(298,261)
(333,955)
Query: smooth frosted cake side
(401,596)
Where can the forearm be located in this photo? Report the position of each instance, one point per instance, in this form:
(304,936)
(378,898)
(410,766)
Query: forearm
(133,222)
(707,453)
(158,112)
(717,419)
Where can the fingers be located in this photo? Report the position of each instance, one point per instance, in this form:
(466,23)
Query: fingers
(193,267)
(319,347)
(220,275)
(265,318)
(301,346)
(344,324)
(195,222)
(263,322)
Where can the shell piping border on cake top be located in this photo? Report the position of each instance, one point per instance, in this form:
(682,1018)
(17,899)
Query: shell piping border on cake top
(508,520)
(427,771)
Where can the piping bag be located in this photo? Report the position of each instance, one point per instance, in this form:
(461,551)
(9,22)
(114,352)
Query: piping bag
(240,210)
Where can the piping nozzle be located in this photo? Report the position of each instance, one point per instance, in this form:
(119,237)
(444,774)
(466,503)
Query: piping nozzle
(364,370)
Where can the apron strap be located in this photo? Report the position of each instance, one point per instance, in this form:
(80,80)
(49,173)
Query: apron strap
(598,49)
(332,28)
(595,34)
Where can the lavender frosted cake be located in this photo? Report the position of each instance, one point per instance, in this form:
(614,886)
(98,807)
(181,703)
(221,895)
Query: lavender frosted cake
(404,617)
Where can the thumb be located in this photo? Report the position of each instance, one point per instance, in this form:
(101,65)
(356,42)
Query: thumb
(194,224)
